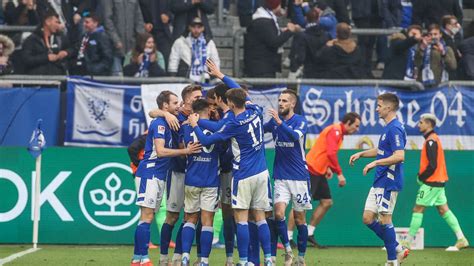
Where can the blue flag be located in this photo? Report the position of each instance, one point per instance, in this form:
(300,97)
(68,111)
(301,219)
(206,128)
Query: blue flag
(37,141)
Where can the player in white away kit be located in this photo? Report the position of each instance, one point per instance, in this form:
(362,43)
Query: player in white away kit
(250,186)
(388,180)
(151,174)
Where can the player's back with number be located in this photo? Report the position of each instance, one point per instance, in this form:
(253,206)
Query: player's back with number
(247,143)
(202,168)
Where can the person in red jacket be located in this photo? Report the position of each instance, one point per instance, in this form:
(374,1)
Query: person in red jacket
(322,163)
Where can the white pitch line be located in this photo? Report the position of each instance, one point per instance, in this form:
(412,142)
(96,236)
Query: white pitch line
(17,255)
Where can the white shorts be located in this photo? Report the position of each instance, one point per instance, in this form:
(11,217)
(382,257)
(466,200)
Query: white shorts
(200,198)
(252,192)
(381,201)
(295,190)
(149,192)
(175,192)
(226,188)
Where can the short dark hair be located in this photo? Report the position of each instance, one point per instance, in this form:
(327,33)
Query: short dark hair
(343,31)
(221,90)
(91,14)
(211,94)
(445,20)
(237,97)
(290,92)
(415,27)
(189,89)
(49,14)
(200,105)
(164,97)
(350,117)
(390,98)
(434,27)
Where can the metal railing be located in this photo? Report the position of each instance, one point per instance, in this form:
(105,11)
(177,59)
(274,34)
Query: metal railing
(56,80)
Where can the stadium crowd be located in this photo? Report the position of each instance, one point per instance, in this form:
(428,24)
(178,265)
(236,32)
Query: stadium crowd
(152,38)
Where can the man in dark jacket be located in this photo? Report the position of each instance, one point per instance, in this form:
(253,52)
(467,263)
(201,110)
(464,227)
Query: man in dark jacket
(306,45)
(430,12)
(45,51)
(467,50)
(94,54)
(158,14)
(263,41)
(186,10)
(400,45)
(453,38)
(341,58)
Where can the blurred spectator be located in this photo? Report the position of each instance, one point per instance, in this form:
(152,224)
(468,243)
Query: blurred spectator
(245,10)
(305,47)
(327,18)
(375,14)
(401,61)
(340,8)
(186,10)
(23,14)
(46,50)
(434,58)
(430,12)
(451,30)
(144,60)
(158,14)
(6,49)
(190,52)
(123,19)
(264,40)
(94,54)
(341,58)
(467,50)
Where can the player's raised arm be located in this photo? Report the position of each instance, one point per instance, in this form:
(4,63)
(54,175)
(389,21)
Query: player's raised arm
(294,134)
(171,119)
(161,151)
(214,71)
(203,138)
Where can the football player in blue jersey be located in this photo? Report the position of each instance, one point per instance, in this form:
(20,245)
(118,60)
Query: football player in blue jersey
(388,181)
(201,189)
(290,172)
(152,171)
(250,185)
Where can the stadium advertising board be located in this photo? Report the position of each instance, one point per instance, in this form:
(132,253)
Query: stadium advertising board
(20,109)
(453,107)
(101,114)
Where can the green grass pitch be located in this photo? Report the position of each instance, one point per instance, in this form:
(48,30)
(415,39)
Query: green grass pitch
(120,255)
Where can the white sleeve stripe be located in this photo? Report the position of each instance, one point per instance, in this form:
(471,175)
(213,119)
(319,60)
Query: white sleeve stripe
(299,133)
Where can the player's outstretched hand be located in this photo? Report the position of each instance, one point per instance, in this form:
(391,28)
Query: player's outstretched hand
(368,167)
(274,115)
(354,158)
(193,147)
(193,119)
(172,121)
(213,70)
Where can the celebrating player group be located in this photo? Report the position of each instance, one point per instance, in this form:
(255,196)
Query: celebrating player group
(210,153)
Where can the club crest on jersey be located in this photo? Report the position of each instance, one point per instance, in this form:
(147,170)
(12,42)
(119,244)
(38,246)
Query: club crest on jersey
(161,129)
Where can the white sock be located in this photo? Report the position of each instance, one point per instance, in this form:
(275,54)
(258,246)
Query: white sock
(215,240)
(311,230)
(399,248)
(230,259)
(163,257)
(205,260)
(177,257)
(459,235)
(290,235)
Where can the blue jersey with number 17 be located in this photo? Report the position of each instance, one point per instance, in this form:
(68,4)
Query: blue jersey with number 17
(202,169)
(290,138)
(246,133)
(393,138)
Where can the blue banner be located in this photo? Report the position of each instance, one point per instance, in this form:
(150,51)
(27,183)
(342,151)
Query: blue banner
(101,114)
(20,110)
(453,107)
